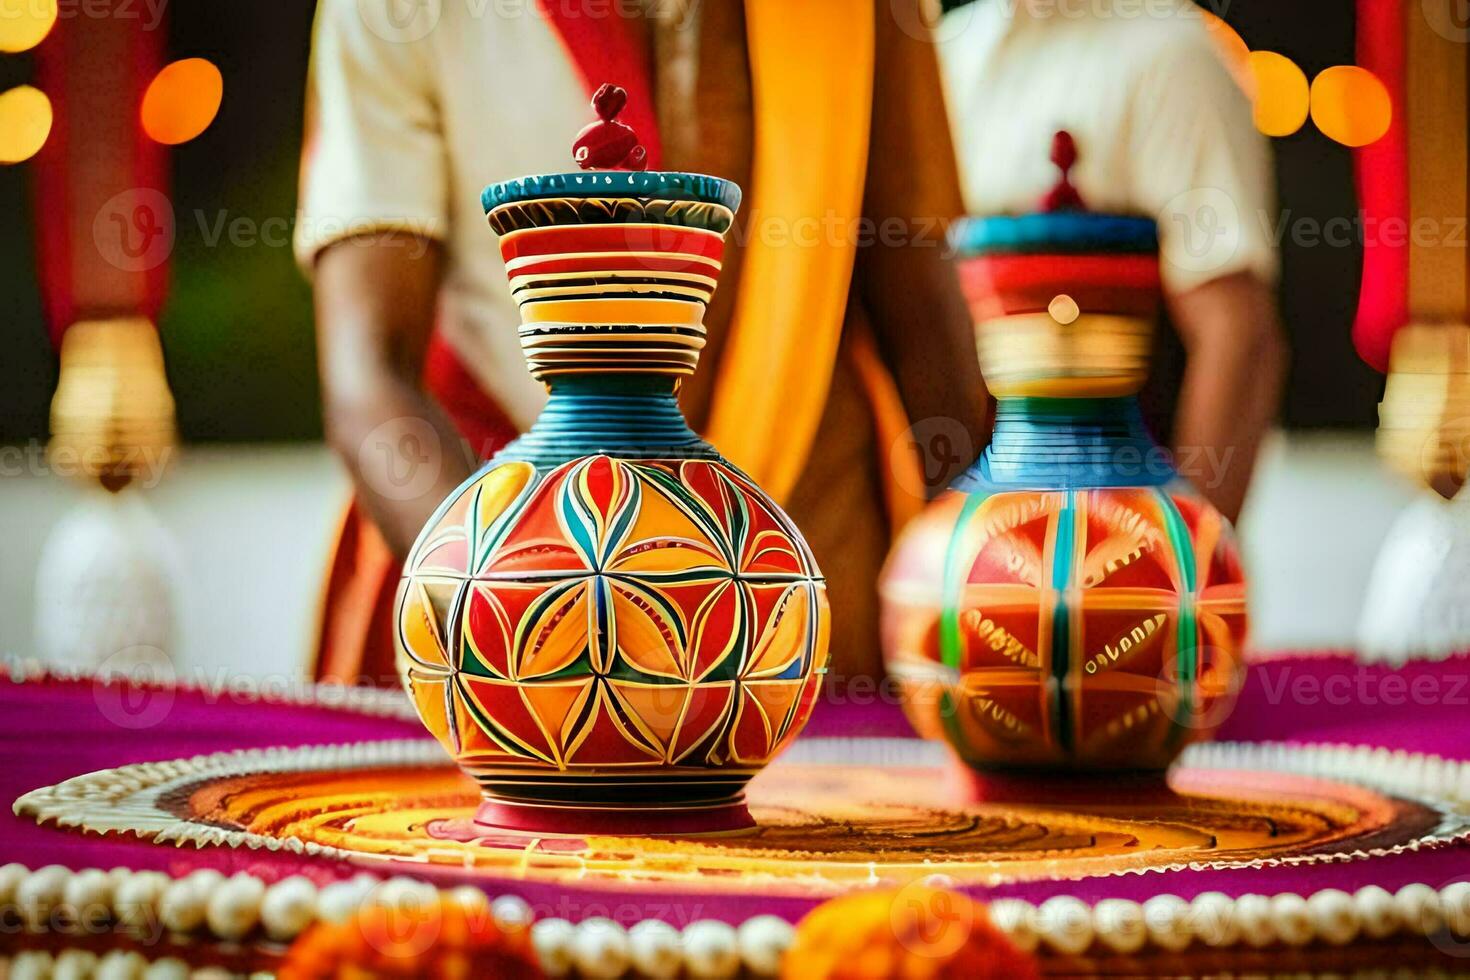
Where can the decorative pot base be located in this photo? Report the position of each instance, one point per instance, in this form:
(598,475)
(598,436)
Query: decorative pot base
(543,818)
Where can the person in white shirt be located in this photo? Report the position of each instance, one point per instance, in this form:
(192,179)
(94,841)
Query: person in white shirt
(1162,129)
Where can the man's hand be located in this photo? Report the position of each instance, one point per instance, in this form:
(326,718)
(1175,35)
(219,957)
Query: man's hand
(375,306)
(1235,368)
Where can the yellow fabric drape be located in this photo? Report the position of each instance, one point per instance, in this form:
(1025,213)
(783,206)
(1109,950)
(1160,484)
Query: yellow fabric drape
(811,66)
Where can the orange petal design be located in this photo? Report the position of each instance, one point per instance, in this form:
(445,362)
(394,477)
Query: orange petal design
(557,637)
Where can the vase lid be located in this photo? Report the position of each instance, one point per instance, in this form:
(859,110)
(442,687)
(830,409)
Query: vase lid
(664,185)
(1062,224)
(612,162)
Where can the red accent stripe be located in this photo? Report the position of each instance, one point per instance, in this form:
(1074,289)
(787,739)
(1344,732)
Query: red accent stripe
(571,239)
(604,46)
(1383,186)
(1126,285)
(703,267)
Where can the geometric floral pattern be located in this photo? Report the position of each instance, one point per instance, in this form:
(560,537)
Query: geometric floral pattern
(612,615)
(1090,627)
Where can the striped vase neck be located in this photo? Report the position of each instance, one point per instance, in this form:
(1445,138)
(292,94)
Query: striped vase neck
(612,279)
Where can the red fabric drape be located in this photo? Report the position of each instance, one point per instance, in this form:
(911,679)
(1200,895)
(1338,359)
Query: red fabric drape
(1382,169)
(104,227)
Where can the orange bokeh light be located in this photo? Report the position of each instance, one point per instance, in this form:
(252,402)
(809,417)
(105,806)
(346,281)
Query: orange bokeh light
(25,122)
(182,100)
(1350,105)
(1281,93)
(25,23)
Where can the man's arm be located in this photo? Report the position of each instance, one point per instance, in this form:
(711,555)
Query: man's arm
(1236,366)
(910,289)
(375,307)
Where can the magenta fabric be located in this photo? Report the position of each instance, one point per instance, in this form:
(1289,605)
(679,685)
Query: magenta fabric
(52,730)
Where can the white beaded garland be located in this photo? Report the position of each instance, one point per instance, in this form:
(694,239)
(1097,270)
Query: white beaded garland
(338,901)
(1334,919)
(1213,917)
(87,897)
(512,912)
(233,909)
(1378,916)
(11,875)
(74,964)
(182,906)
(289,906)
(136,897)
(167,968)
(656,950)
(1291,919)
(711,950)
(1017,919)
(39,893)
(31,964)
(552,941)
(763,940)
(1253,916)
(1454,900)
(120,965)
(1419,909)
(1119,925)
(403,892)
(1167,919)
(600,949)
(1065,924)
(475,902)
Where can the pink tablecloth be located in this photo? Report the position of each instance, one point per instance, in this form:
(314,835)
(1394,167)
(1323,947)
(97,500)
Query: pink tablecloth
(51,730)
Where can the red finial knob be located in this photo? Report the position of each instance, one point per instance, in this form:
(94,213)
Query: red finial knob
(609,144)
(1063,196)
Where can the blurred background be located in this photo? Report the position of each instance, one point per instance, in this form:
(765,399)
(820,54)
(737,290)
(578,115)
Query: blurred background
(252,497)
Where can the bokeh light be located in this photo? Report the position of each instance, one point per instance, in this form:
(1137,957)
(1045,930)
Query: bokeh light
(1281,93)
(25,122)
(1350,105)
(1232,49)
(182,100)
(25,23)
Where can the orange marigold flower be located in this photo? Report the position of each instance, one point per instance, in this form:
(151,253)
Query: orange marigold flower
(438,941)
(912,933)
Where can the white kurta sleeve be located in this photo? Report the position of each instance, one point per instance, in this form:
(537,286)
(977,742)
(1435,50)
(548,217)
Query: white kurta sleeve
(374,156)
(1202,168)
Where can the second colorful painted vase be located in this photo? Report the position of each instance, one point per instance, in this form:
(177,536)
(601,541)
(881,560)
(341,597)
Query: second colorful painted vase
(1071,602)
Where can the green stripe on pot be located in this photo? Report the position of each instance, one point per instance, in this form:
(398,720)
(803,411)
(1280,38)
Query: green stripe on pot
(1187,634)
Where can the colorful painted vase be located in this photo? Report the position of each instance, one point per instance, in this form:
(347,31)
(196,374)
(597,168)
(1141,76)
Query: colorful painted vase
(610,627)
(1070,602)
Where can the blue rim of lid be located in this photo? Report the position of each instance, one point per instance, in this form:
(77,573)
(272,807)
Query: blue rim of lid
(1054,231)
(664,185)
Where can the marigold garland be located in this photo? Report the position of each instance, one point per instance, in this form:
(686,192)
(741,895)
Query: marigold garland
(912,933)
(440,940)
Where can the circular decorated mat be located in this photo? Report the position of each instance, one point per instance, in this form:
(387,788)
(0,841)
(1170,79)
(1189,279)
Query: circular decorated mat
(832,814)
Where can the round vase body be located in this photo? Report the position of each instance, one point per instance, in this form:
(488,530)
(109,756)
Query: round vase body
(610,627)
(1066,628)
(607,636)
